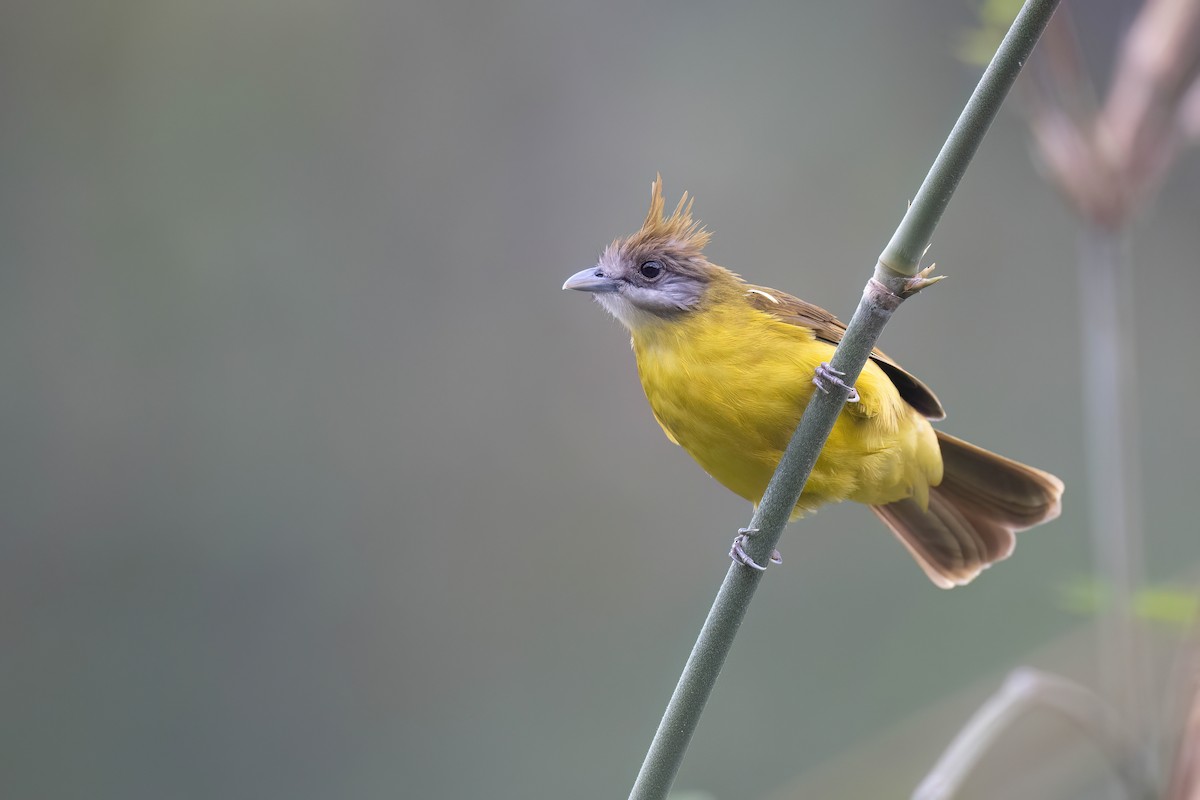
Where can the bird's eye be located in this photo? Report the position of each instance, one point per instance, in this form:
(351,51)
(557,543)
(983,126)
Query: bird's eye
(650,270)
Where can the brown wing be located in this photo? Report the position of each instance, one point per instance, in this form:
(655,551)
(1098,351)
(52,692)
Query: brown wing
(827,327)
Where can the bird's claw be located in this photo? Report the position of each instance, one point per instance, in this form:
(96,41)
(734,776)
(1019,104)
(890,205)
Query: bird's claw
(738,551)
(826,377)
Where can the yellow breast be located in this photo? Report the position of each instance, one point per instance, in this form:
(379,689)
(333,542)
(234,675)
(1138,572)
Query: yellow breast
(729,383)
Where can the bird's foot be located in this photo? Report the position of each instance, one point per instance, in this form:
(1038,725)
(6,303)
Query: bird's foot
(738,551)
(826,377)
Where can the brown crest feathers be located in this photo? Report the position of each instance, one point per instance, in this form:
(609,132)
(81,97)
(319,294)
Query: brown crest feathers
(677,241)
(679,229)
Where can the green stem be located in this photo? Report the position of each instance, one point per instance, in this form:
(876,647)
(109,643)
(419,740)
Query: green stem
(883,294)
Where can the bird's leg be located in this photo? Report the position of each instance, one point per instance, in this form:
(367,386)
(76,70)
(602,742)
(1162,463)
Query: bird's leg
(738,551)
(826,377)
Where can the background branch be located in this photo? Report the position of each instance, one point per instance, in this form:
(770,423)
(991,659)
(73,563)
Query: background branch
(1026,690)
(1108,159)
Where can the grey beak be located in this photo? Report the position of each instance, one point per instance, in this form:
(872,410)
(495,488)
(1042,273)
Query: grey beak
(591,280)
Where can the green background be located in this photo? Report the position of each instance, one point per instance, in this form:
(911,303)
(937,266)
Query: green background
(315,485)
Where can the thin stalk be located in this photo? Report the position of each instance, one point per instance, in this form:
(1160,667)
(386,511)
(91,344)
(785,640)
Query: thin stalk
(892,282)
(1110,412)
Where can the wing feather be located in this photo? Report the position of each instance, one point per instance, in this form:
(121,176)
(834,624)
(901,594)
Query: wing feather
(828,328)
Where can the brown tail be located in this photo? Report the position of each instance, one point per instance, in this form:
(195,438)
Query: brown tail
(982,501)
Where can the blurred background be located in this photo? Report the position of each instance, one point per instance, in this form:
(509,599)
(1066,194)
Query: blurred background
(316,485)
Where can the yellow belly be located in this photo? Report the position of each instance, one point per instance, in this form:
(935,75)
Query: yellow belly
(731,392)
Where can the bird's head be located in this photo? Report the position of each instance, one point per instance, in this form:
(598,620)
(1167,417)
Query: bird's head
(657,273)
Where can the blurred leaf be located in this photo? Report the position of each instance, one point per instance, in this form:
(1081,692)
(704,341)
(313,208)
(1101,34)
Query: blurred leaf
(1164,604)
(977,45)
(1167,605)
(1084,596)
(999,13)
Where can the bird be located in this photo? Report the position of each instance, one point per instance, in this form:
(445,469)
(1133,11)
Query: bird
(728,368)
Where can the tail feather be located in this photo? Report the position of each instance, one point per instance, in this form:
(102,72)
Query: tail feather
(973,514)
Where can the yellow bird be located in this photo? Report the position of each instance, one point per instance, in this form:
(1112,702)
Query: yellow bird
(728,368)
